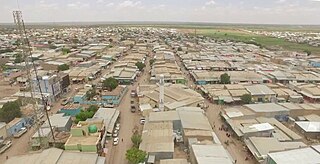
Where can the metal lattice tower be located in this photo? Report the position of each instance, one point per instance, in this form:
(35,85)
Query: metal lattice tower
(31,68)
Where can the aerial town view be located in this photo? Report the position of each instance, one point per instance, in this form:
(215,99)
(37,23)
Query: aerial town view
(159,82)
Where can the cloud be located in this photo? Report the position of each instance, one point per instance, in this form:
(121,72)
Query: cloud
(210,3)
(129,3)
(78,5)
(110,4)
(100,1)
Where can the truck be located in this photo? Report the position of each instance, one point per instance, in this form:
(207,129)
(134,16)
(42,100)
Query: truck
(5,146)
(20,132)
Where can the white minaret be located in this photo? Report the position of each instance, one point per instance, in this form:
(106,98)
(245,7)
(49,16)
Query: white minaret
(161,93)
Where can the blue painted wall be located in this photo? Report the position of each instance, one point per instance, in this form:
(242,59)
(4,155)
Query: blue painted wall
(15,128)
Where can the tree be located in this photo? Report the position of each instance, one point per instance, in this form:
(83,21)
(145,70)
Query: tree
(110,83)
(93,108)
(84,115)
(91,93)
(63,67)
(225,79)
(10,110)
(18,58)
(135,155)
(65,50)
(246,98)
(136,140)
(140,65)
(179,49)
(152,61)
(308,52)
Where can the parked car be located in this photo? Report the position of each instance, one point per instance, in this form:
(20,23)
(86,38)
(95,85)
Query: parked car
(115,133)
(116,141)
(65,102)
(133,108)
(117,126)
(142,120)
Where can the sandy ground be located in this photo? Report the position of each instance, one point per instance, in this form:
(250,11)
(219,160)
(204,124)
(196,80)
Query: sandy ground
(6,89)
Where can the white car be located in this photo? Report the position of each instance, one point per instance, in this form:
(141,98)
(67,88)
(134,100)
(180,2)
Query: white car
(115,133)
(116,141)
(117,126)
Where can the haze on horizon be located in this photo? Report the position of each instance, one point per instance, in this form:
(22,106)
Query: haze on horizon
(213,11)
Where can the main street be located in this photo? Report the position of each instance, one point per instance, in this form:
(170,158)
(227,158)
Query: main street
(128,121)
(235,147)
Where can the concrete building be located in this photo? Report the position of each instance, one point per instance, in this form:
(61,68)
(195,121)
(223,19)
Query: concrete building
(308,155)
(157,140)
(174,161)
(194,124)
(109,116)
(261,93)
(115,96)
(59,122)
(175,96)
(49,84)
(269,110)
(15,125)
(261,146)
(57,156)
(85,136)
(3,131)
(207,154)
(309,129)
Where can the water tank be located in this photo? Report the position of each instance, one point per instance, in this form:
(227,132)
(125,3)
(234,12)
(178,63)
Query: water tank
(92,129)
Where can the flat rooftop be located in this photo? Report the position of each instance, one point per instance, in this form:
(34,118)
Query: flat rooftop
(157,137)
(297,156)
(209,154)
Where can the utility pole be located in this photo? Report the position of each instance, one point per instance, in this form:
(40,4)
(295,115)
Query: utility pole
(29,65)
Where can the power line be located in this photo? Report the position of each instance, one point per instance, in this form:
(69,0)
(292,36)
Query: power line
(27,55)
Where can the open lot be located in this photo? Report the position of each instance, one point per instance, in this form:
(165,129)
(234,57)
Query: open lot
(237,34)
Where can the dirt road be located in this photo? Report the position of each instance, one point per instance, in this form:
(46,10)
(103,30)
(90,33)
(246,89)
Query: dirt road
(235,148)
(128,121)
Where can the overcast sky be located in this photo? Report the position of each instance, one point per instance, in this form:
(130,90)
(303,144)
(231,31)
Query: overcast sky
(215,11)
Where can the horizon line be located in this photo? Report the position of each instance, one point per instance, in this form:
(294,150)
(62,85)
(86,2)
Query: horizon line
(153,22)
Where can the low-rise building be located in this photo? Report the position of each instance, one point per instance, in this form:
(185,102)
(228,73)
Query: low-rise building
(85,136)
(57,156)
(211,153)
(3,131)
(15,125)
(297,156)
(157,140)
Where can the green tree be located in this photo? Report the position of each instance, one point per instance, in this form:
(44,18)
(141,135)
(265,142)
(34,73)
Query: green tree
(65,51)
(308,52)
(152,61)
(140,65)
(63,67)
(136,140)
(179,49)
(10,110)
(91,93)
(246,98)
(135,155)
(18,58)
(93,108)
(110,83)
(225,79)
(84,115)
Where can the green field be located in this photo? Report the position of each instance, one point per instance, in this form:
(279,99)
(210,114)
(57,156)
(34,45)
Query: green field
(263,41)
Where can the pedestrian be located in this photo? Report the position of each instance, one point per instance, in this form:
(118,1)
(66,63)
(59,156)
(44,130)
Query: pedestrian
(235,161)
(122,140)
